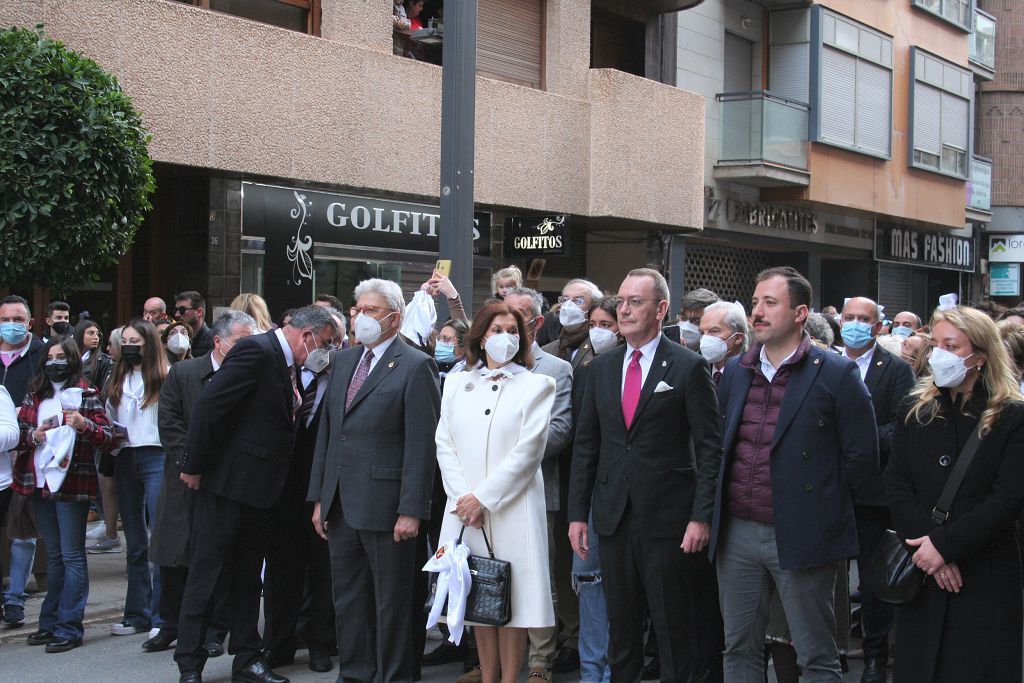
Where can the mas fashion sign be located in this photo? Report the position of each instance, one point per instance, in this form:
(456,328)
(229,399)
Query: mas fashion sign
(537,236)
(900,244)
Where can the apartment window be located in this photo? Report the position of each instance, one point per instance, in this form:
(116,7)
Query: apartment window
(941,121)
(789,36)
(510,41)
(854,85)
(956,12)
(296,15)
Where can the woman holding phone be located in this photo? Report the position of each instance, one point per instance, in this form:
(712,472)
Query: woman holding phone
(490,442)
(60,397)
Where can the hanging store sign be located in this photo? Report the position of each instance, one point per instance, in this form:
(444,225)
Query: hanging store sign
(537,236)
(899,244)
(1006,248)
(1004,279)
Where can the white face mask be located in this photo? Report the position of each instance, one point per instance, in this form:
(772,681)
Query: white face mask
(570,314)
(502,347)
(602,339)
(948,369)
(368,330)
(178,343)
(713,348)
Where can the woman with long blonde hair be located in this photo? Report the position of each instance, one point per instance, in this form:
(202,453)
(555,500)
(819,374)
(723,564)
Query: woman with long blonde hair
(256,306)
(971,601)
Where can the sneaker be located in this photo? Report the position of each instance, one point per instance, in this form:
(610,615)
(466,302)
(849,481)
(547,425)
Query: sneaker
(473,676)
(14,616)
(105,545)
(97,531)
(126,629)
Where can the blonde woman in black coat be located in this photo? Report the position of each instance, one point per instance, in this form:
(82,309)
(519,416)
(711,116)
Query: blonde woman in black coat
(966,623)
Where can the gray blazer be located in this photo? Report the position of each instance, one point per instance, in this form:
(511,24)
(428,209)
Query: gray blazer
(185,381)
(379,456)
(560,427)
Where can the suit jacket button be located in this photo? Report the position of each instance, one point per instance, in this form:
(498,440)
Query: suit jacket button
(945,460)
(494,387)
(821,423)
(487,412)
(809,488)
(806,457)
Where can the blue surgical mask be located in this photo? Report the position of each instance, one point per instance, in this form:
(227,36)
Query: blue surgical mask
(856,334)
(13,333)
(444,353)
(902,331)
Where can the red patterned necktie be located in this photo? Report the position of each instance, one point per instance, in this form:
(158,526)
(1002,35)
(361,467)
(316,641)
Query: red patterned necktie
(296,396)
(357,379)
(631,392)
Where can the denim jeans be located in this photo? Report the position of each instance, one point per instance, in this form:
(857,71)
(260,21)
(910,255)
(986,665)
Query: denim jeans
(62,525)
(138,472)
(593,640)
(23,554)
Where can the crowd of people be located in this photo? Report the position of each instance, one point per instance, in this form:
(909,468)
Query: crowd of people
(679,496)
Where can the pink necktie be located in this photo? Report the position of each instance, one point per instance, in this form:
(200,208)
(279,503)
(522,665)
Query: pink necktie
(357,379)
(631,392)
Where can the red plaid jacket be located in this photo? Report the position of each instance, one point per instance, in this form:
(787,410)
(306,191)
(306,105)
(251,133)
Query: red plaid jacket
(80,482)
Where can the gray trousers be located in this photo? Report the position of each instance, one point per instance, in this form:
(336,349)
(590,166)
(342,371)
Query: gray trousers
(748,565)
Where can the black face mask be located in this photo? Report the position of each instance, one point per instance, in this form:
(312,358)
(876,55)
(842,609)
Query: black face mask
(132,354)
(57,371)
(61,327)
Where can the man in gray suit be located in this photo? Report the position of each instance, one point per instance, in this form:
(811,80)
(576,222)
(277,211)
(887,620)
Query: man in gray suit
(543,641)
(373,469)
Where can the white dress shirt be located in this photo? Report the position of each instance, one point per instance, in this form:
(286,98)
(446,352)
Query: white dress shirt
(378,352)
(864,361)
(767,369)
(646,360)
(141,422)
(289,357)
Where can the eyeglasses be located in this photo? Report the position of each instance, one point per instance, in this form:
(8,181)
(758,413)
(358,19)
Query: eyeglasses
(368,310)
(182,310)
(632,301)
(578,300)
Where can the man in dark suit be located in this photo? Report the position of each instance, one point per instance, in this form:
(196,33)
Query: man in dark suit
(169,545)
(888,379)
(237,456)
(686,331)
(799,436)
(645,458)
(373,471)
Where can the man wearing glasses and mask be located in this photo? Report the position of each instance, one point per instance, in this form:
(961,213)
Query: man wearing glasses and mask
(190,308)
(371,484)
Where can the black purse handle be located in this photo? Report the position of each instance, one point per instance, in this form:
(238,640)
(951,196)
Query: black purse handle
(487,542)
(940,513)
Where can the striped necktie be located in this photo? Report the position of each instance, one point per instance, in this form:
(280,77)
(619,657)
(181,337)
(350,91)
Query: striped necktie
(357,379)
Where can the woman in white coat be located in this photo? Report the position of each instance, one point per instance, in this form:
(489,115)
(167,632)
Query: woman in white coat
(490,442)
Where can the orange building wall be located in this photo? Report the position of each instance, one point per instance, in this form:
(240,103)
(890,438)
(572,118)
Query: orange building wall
(841,178)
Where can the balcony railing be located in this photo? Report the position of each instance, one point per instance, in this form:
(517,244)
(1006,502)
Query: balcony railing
(759,127)
(979,187)
(983,42)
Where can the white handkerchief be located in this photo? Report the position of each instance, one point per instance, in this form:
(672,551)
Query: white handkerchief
(662,386)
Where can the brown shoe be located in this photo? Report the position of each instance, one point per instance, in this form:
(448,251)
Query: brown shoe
(474,676)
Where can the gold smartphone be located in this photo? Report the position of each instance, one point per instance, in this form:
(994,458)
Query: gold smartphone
(444,267)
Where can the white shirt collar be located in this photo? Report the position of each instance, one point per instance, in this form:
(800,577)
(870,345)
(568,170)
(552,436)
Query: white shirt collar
(647,350)
(289,357)
(380,349)
(864,360)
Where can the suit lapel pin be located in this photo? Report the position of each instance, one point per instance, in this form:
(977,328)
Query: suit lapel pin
(391,364)
(817,361)
(879,363)
(664,363)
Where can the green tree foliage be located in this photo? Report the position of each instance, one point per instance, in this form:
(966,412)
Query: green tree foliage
(75,173)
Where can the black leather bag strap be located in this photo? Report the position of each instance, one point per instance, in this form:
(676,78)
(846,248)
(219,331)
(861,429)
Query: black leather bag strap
(940,513)
(486,541)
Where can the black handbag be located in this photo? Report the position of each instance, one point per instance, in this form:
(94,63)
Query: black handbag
(490,595)
(891,573)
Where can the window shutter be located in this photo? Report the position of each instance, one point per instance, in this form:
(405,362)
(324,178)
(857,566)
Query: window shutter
(790,71)
(509,41)
(927,106)
(738,64)
(954,121)
(838,95)
(872,108)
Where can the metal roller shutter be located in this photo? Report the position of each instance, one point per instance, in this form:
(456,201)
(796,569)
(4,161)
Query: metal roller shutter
(789,74)
(838,96)
(873,88)
(954,121)
(510,41)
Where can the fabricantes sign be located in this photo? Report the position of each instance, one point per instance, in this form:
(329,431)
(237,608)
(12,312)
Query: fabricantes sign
(537,236)
(900,244)
(312,216)
(1006,248)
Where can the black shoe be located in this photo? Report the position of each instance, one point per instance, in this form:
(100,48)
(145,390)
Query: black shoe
(567,661)
(281,658)
(444,653)
(40,637)
(214,649)
(164,640)
(652,672)
(319,660)
(14,616)
(257,672)
(874,670)
(63,644)
(190,677)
